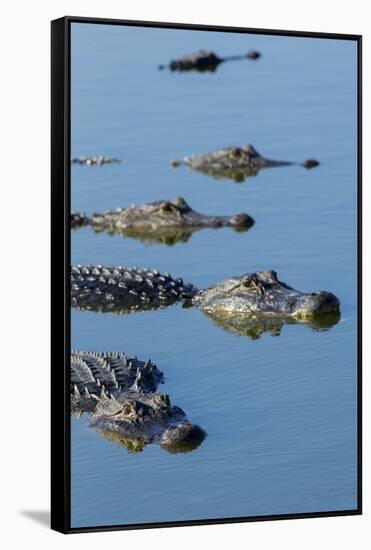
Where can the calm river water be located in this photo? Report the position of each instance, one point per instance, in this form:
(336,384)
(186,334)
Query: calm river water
(280,411)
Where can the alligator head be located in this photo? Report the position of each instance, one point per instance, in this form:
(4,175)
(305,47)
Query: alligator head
(119,394)
(146,418)
(236,163)
(165,221)
(262,294)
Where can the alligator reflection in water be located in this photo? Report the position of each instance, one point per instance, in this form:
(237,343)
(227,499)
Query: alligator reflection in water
(119,394)
(254,327)
(165,221)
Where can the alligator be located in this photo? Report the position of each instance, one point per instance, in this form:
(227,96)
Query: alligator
(236,163)
(94,161)
(119,394)
(205,61)
(165,221)
(234,302)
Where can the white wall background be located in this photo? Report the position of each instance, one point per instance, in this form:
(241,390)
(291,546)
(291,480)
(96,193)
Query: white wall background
(24,273)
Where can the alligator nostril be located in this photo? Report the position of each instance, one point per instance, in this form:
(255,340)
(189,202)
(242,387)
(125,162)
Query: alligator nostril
(271,274)
(179,201)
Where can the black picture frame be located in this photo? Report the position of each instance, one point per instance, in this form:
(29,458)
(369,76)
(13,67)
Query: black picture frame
(60,267)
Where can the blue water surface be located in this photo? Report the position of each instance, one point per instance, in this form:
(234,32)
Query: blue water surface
(280,412)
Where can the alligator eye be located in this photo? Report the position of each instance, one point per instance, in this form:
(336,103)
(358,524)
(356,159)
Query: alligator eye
(126,409)
(166,207)
(235,152)
(247,281)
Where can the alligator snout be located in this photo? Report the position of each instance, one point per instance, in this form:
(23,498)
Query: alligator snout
(183,437)
(241,221)
(316,303)
(310,163)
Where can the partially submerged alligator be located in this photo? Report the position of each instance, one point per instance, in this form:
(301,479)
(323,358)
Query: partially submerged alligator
(252,296)
(119,394)
(205,61)
(94,161)
(236,163)
(165,221)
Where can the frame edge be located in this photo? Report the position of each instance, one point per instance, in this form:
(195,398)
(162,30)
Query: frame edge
(60,460)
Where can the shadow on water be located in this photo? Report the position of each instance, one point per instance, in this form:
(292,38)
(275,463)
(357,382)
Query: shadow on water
(254,327)
(42,517)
